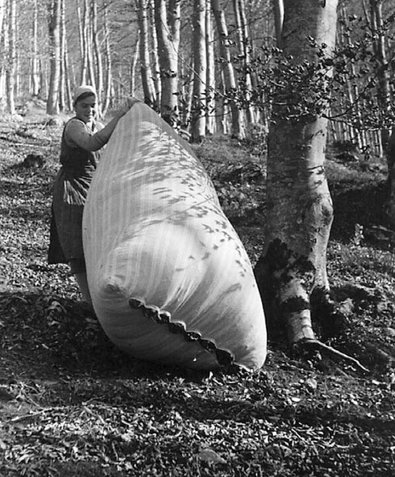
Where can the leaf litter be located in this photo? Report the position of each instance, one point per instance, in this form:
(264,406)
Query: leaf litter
(72,404)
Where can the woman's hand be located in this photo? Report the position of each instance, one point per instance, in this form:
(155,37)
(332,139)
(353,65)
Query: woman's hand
(125,107)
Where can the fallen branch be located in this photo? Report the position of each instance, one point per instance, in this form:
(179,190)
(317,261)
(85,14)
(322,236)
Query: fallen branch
(318,345)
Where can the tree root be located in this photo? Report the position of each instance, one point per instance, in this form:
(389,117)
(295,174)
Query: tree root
(318,345)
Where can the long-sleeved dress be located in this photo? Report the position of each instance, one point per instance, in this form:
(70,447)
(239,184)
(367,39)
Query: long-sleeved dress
(71,186)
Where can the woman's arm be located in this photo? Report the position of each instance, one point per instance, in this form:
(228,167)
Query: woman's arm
(77,133)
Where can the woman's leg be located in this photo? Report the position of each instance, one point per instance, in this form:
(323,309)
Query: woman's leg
(83,284)
(77,267)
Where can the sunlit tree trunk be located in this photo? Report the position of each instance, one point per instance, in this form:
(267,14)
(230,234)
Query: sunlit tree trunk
(89,47)
(2,13)
(210,74)
(97,61)
(292,273)
(154,55)
(244,47)
(3,37)
(167,22)
(108,63)
(145,64)
(198,116)
(357,133)
(35,77)
(11,63)
(278,8)
(82,18)
(62,74)
(67,74)
(133,66)
(238,129)
(54,48)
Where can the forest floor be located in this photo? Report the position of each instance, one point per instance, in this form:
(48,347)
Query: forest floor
(71,404)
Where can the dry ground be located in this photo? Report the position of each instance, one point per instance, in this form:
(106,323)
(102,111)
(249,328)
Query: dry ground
(73,405)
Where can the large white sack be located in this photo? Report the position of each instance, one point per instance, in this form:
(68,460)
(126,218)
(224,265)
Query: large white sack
(169,277)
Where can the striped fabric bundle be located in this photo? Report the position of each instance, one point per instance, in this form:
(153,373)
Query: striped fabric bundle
(169,278)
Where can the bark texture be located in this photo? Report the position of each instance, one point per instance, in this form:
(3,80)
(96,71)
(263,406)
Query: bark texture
(292,270)
(167,22)
(198,117)
(54,45)
(145,65)
(229,77)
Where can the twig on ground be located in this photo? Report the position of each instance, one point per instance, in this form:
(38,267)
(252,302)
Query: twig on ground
(316,344)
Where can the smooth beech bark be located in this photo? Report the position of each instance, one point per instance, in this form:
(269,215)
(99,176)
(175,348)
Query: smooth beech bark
(198,116)
(167,23)
(12,57)
(238,126)
(292,273)
(54,15)
(145,64)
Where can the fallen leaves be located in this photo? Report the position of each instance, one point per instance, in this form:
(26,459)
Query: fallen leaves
(71,404)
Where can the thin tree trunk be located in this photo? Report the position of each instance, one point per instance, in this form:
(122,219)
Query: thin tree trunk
(244,47)
(384,101)
(210,75)
(3,49)
(2,13)
(11,68)
(35,78)
(167,22)
(198,116)
(83,33)
(54,43)
(155,56)
(278,7)
(228,70)
(133,66)
(292,272)
(108,60)
(145,65)
(89,47)
(62,81)
(98,61)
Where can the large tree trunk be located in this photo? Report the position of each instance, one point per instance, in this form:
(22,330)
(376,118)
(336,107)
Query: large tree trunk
(292,270)
(198,117)
(167,22)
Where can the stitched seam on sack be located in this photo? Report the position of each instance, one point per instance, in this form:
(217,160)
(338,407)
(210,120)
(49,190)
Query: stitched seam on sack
(224,357)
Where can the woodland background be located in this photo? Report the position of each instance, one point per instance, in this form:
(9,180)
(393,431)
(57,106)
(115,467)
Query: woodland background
(70,403)
(191,57)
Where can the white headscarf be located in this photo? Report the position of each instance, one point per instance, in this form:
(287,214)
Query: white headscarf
(84,88)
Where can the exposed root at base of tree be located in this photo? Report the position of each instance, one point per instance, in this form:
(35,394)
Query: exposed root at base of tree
(332,352)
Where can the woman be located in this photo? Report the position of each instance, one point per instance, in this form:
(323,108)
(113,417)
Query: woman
(81,140)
